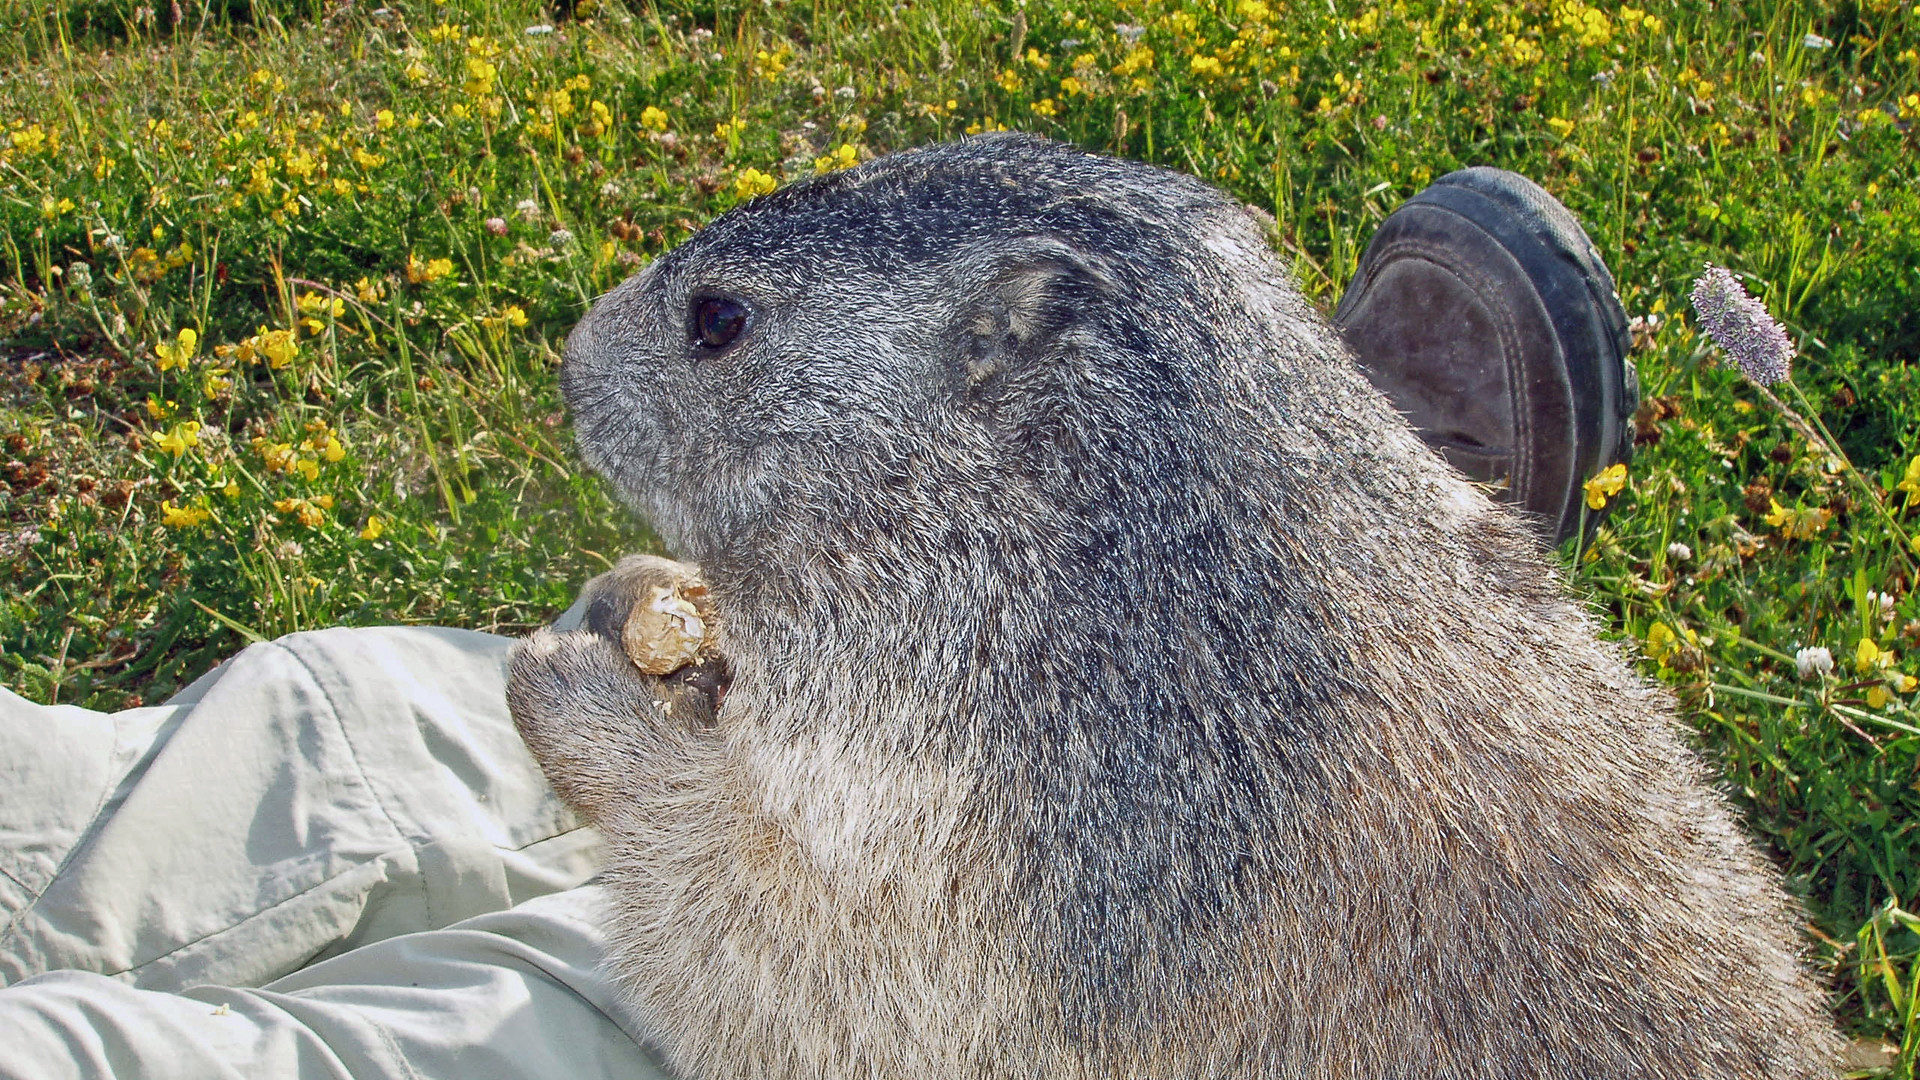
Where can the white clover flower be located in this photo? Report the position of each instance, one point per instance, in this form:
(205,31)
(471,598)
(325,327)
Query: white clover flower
(1881,604)
(1813,662)
(1740,324)
(559,238)
(1679,552)
(527,209)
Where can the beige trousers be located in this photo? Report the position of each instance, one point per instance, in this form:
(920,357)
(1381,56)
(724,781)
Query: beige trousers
(329,857)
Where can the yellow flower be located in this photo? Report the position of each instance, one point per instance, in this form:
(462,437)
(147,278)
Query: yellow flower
(184,437)
(752,182)
(278,457)
(277,346)
(1661,641)
(384,120)
(49,208)
(481,76)
(1605,485)
(1009,80)
(653,118)
(1910,483)
(367,159)
(769,65)
(1561,126)
(302,510)
(424,273)
(1868,656)
(29,140)
(216,384)
(1138,59)
(316,304)
(1046,107)
(1254,11)
(1036,60)
(374,528)
(182,517)
(727,129)
(232,490)
(181,351)
(415,72)
(368,290)
(308,468)
(1071,86)
(846,157)
(1206,67)
(1799,523)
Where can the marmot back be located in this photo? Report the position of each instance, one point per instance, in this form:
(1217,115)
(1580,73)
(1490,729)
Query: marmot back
(1118,687)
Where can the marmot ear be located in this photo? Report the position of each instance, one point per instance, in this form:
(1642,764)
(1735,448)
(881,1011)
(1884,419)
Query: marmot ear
(1030,299)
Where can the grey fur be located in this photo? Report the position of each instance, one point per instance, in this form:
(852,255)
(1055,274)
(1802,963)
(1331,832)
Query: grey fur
(1119,689)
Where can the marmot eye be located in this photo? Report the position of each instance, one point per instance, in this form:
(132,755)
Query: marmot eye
(717,321)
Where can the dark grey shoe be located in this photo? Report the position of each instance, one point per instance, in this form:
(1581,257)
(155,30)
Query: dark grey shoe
(1481,308)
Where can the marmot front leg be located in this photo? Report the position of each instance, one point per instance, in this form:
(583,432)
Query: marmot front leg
(608,707)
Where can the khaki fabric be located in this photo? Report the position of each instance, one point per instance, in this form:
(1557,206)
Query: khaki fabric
(331,856)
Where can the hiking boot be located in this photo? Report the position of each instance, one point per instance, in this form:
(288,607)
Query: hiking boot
(1482,310)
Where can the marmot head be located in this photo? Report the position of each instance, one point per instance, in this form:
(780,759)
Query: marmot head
(904,362)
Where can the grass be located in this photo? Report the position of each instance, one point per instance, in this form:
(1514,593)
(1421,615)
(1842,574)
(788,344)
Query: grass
(375,225)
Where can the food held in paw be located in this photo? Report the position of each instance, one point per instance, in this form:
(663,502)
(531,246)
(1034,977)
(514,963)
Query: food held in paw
(669,627)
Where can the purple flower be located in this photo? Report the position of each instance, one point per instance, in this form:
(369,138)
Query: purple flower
(1740,324)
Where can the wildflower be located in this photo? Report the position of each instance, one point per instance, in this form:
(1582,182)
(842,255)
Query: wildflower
(216,384)
(1252,10)
(368,291)
(1799,523)
(481,76)
(1910,483)
(415,73)
(1560,125)
(539,29)
(384,120)
(769,65)
(846,157)
(559,238)
(1138,59)
(277,457)
(1045,107)
(374,528)
(182,517)
(1036,60)
(1663,644)
(1740,324)
(177,354)
(29,140)
(232,490)
(425,273)
(1072,87)
(1813,662)
(1679,552)
(50,208)
(1604,485)
(727,129)
(183,437)
(1009,80)
(653,118)
(308,469)
(1206,67)
(1869,657)
(752,182)
(277,346)
(307,512)
(527,209)
(367,159)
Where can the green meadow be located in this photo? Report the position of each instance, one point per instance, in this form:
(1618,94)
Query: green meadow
(283,287)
